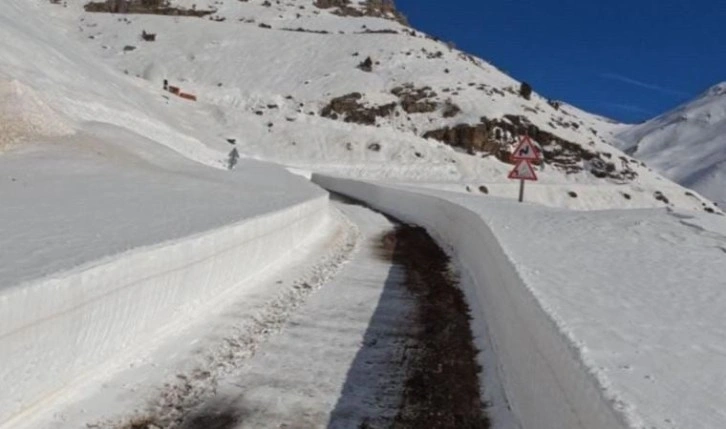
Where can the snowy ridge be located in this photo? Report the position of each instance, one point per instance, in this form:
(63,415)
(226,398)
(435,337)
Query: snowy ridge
(72,323)
(686,144)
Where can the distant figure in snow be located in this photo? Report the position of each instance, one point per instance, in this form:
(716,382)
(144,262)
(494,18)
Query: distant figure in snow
(233,157)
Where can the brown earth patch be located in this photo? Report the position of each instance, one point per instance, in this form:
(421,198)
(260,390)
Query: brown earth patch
(442,389)
(350,108)
(376,8)
(153,7)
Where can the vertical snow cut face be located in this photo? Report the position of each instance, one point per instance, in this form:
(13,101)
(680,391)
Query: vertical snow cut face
(24,114)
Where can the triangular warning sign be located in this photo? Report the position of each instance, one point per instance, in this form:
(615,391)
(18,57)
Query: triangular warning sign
(523,171)
(526,151)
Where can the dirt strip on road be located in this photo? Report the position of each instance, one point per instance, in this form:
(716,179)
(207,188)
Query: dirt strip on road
(442,382)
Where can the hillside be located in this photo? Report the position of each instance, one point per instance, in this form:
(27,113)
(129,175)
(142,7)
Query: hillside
(686,144)
(348,88)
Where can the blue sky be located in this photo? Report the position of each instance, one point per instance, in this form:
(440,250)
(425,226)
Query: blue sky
(626,59)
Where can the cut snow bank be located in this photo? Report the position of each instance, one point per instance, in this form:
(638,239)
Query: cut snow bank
(109,240)
(64,327)
(546,383)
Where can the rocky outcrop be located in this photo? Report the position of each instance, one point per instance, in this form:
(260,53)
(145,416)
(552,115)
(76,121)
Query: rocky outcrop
(155,7)
(366,65)
(375,8)
(496,136)
(450,109)
(525,90)
(416,100)
(350,108)
(473,138)
(412,100)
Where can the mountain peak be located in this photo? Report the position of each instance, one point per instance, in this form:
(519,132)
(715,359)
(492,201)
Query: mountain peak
(717,90)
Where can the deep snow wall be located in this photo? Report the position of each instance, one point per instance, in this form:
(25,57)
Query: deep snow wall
(62,329)
(545,382)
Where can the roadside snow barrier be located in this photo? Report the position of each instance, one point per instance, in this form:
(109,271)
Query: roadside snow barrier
(544,379)
(62,329)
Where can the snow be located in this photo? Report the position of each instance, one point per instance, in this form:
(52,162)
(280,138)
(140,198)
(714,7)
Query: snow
(111,191)
(182,368)
(121,224)
(265,89)
(574,196)
(24,114)
(70,323)
(577,344)
(686,144)
(118,219)
(315,373)
(96,224)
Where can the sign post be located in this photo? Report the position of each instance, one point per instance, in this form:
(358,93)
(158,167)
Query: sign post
(521,190)
(525,153)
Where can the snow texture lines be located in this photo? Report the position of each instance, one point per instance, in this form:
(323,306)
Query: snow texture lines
(176,403)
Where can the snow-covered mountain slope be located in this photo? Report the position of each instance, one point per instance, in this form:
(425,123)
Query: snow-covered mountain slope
(347,88)
(687,144)
(100,140)
(49,85)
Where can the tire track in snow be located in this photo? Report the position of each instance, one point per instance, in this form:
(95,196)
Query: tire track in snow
(171,406)
(386,345)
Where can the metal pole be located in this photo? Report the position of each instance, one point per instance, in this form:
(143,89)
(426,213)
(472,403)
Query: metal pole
(521,191)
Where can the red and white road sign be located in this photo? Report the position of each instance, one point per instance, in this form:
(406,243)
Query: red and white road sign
(523,171)
(526,151)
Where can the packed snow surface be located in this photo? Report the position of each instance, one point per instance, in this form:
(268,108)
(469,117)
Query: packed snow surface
(641,295)
(323,369)
(632,299)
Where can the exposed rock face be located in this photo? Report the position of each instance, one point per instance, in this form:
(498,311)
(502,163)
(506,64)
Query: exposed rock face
(412,100)
(473,138)
(450,109)
(156,7)
(525,90)
(415,100)
(375,8)
(490,136)
(350,109)
(327,4)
